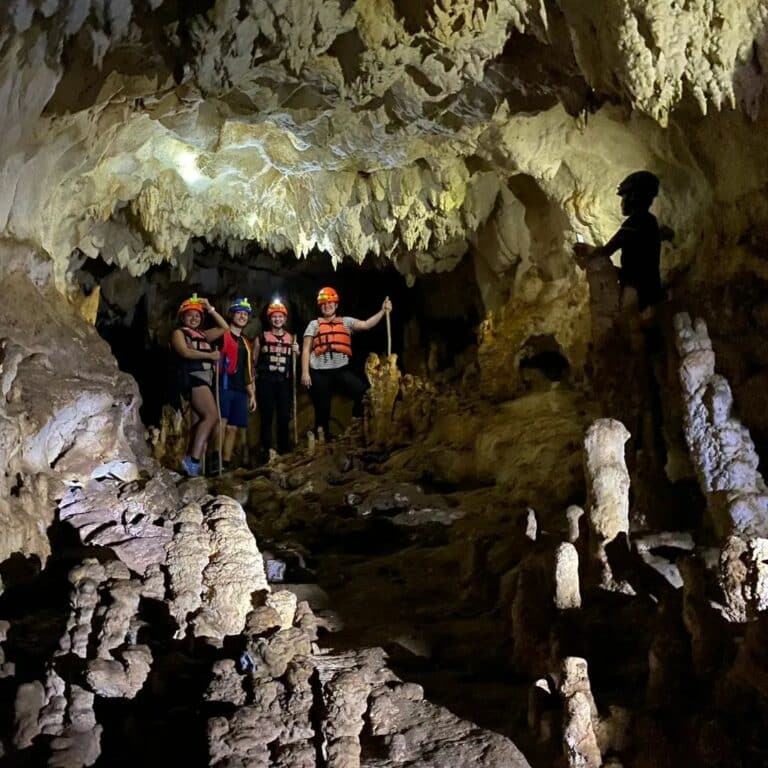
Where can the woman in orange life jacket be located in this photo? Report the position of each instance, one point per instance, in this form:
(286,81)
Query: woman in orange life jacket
(236,371)
(325,356)
(274,372)
(197,361)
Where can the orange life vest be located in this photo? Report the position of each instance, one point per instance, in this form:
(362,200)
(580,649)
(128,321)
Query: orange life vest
(274,353)
(332,336)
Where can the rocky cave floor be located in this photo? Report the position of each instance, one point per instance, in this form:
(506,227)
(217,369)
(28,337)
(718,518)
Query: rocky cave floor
(389,556)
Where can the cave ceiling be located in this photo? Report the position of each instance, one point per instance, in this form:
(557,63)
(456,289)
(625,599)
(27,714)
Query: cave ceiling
(400,129)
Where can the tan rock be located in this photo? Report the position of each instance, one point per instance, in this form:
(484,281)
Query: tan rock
(579,716)
(235,571)
(567,588)
(284,603)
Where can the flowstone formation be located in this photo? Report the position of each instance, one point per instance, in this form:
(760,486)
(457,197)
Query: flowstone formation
(68,414)
(727,468)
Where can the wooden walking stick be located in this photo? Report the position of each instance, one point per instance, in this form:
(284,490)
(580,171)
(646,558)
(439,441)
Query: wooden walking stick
(295,414)
(389,331)
(219,437)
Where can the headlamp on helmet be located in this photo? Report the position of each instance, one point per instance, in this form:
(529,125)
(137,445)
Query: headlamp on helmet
(276,306)
(193,303)
(240,305)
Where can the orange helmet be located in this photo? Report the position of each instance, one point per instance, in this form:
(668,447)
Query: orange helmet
(327,294)
(276,306)
(192,303)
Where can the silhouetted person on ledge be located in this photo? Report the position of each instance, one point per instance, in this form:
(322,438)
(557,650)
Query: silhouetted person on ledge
(639,239)
(626,334)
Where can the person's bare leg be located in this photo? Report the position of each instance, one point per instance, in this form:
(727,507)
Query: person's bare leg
(205,406)
(221,437)
(230,436)
(194,421)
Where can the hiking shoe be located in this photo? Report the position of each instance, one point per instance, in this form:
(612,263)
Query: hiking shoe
(190,467)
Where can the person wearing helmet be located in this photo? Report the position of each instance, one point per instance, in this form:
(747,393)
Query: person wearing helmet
(273,353)
(196,359)
(639,239)
(237,388)
(326,352)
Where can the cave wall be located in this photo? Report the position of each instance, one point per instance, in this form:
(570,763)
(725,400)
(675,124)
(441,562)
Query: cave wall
(67,414)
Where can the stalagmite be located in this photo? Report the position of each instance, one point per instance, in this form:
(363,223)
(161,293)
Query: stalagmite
(86,580)
(169,440)
(188,554)
(573,515)
(384,377)
(414,409)
(235,571)
(726,464)
(579,715)
(7,666)
(567,592)
(607,490)
(531,524)
(55,708)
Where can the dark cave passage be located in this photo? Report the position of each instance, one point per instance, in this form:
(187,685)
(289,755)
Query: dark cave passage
(433,323)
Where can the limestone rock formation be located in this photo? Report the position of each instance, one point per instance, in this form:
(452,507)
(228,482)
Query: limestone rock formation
(403,129)
(567,590)
(607,489)
(726,464)
(384,378)
(69,415)
(579,716)
(476,141)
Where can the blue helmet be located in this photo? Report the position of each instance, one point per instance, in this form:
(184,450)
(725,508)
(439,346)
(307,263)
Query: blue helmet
(240,305)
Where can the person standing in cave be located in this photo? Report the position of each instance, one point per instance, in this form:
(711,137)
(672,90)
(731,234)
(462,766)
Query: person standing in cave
(626,328)
(639,239)
(237,386)
(274,353)
(196,360)
(326,352)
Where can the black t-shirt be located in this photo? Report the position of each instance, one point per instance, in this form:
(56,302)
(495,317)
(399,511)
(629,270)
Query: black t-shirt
(237,380)
(640,244)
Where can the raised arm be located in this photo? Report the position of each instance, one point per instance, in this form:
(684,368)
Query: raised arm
(222,326)
(373,320)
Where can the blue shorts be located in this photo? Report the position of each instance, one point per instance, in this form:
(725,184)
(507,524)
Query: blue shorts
(234,407)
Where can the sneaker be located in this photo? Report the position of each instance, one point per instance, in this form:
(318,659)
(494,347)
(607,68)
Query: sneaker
(190,467)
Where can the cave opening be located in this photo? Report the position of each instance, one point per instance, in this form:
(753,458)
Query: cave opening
(543,355)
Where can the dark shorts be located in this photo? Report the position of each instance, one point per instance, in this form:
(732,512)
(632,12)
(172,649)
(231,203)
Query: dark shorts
(182,388)
(234,407)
